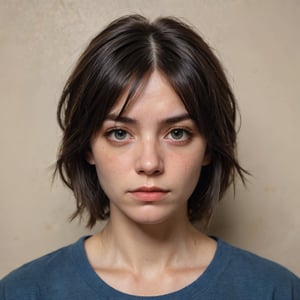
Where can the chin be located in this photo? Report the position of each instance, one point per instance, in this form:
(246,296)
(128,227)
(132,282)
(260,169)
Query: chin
(154,219)
(153,215)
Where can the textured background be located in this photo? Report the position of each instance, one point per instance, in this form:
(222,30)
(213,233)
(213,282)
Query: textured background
(259,44)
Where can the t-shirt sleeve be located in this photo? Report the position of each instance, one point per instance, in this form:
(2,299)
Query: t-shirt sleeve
(288,289)
(13,288)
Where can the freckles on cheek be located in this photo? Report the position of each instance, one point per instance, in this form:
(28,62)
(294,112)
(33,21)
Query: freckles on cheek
(192,160)
(192,168)
(111,164)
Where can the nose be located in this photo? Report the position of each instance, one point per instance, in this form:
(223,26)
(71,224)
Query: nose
(149,159)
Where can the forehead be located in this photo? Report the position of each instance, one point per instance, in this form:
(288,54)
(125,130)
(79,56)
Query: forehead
(154,95)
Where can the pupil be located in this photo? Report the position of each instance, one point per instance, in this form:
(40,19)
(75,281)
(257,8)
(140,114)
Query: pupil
(120,134)
(177,134)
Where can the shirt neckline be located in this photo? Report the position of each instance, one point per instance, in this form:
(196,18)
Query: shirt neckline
(200,285)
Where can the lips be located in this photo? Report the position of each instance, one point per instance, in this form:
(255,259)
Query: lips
(149,193)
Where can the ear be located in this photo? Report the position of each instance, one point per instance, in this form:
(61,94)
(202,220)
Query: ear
(89,157)
(207,158)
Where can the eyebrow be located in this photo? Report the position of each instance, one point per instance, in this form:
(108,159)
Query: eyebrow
(127,120)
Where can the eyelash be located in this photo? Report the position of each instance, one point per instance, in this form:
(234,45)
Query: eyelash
(186,135)
(109,134)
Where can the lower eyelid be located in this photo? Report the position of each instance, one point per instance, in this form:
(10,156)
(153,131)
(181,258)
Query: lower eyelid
(109,134)
(187,136)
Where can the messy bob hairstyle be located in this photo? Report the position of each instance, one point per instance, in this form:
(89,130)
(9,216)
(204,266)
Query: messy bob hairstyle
(117,61)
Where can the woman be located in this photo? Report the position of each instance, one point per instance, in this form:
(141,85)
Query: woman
(149,144)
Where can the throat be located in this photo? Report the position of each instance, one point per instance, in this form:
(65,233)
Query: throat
(149,244)
(149,264)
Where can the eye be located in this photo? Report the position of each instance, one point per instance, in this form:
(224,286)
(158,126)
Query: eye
(179,134)
(118,135)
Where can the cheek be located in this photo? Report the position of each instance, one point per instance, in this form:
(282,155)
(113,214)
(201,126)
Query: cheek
(111,165)
(192,173)
(191,168)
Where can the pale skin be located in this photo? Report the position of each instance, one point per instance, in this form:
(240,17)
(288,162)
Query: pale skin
(148,162)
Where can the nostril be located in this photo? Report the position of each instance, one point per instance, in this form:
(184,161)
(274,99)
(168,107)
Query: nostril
(150,167)
(149,159)
(150,171)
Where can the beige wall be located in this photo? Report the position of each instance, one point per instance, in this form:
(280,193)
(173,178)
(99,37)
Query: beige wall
(259,43)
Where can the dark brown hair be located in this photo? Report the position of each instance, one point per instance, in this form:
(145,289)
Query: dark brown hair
(120,58)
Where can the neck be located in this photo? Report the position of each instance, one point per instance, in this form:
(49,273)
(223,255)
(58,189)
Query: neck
(145,247)
(149,259)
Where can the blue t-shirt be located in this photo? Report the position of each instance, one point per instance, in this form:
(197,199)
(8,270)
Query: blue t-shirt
(233,274)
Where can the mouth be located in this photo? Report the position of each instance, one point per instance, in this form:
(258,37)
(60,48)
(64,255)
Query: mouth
(149,194)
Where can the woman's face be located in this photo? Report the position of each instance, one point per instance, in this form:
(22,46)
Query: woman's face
(149,159)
